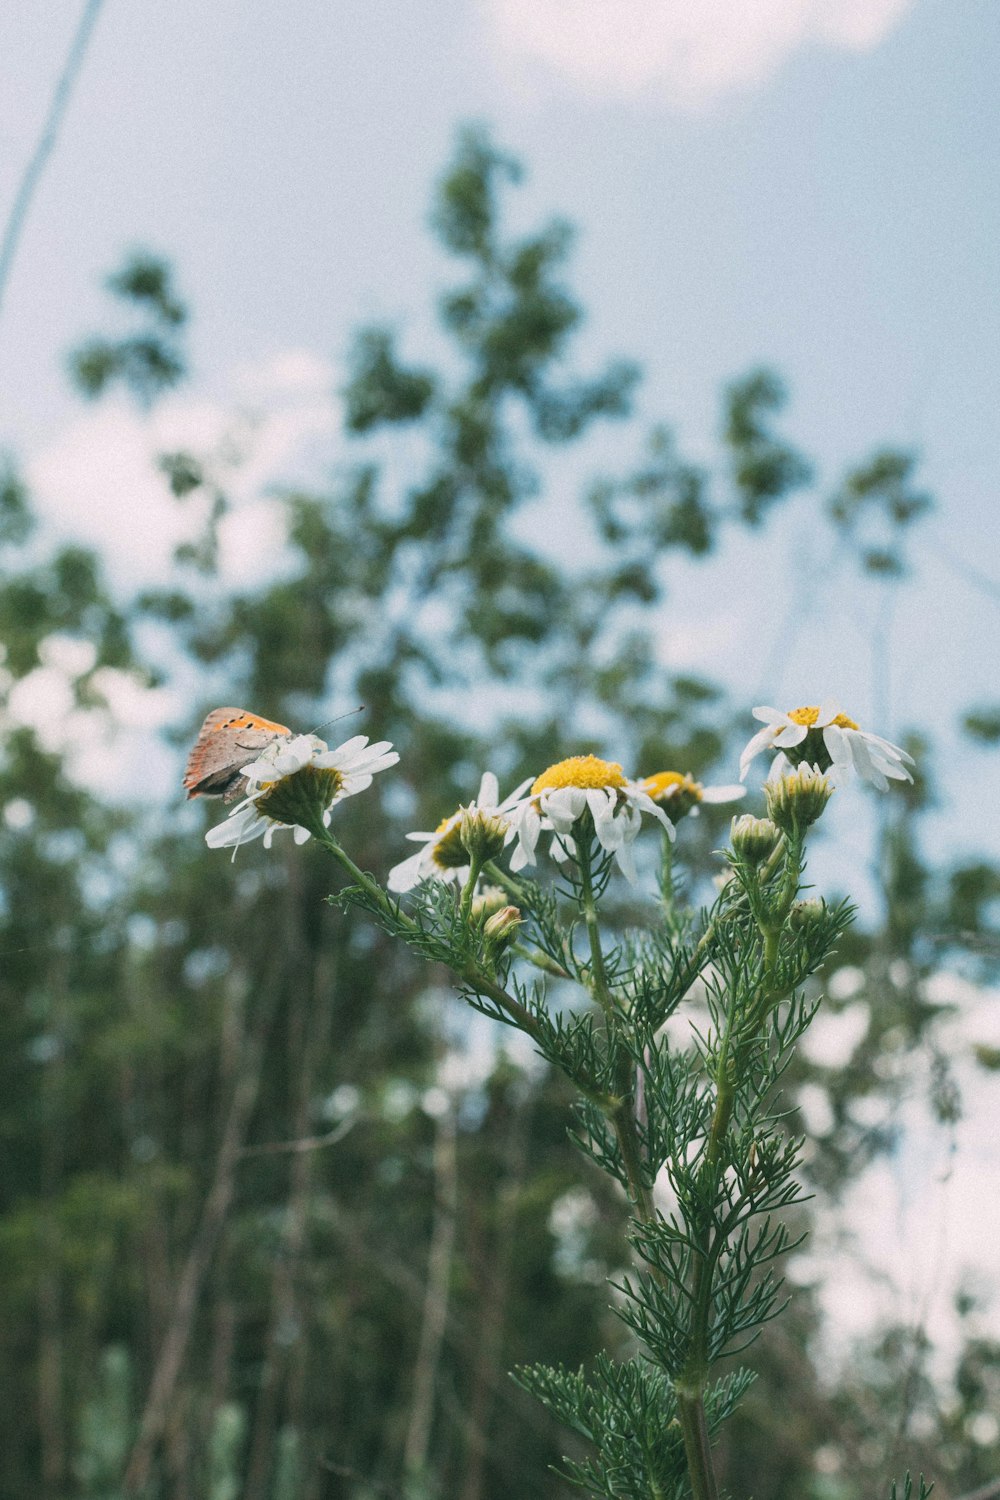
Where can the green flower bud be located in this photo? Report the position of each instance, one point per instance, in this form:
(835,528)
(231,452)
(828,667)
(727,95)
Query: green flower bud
(806,914)
(753,839)
(482,835)
(797,799)
(502,927)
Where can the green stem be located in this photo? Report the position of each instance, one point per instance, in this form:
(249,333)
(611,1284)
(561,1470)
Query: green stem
(690,1389)
(468,891)
(540,960)
(667,874)
(504,880)
(697,1448)
(622,1113)
(470,973)
(599,987)
(767,869)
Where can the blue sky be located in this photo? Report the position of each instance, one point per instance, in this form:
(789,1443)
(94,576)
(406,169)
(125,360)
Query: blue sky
(808,183)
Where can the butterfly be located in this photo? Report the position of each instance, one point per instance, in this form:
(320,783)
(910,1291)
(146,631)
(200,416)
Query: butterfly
(229,739)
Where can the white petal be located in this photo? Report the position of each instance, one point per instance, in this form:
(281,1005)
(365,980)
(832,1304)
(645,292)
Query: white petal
(237,829)
(407,874)
(888,767)
(780,766)
(527,828)
(625,859)
(762,740)
(602,803)
(793,734)
(890,749)
(722,794)
(611,833)
(301,835)
(771,715)
(835,740)
(489,791)
(640,799)
(511,801)
(563,806)
(520,858)
(828,711)
(350,748)
(863,763)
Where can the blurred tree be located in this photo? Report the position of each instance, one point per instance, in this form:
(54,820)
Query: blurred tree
(266,1233)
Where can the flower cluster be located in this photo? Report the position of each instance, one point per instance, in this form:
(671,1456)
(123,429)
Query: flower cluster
(826,738)
(297,780)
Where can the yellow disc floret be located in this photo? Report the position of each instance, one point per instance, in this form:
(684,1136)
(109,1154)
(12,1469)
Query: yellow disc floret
(808,716)
(581,771)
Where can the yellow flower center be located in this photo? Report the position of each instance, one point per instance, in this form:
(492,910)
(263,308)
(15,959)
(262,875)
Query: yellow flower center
(582,771)
(808,716)
(448,852)
(671,784)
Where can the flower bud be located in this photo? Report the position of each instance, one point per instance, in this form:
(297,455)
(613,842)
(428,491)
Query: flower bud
(501,928)
(798,798)
(482,835)
(805,914)
(753,839)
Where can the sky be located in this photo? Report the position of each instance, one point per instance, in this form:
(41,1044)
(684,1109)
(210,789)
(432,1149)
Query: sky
(809,184)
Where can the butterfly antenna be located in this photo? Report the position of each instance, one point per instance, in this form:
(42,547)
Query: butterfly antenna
(337,718)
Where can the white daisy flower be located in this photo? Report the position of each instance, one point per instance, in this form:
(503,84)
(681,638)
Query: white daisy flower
(333,775)
(444,856)
(680,794)
(567,790)
(826,737)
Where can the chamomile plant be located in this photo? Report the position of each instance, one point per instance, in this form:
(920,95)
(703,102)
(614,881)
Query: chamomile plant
(509,892)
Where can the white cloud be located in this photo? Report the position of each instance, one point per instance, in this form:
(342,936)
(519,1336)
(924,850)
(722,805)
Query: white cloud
(687,53)
(98,482)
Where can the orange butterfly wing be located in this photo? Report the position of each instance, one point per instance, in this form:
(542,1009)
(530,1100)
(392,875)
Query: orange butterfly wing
(229,739)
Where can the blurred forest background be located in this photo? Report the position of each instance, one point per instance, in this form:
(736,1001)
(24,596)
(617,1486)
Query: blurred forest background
(276,1215)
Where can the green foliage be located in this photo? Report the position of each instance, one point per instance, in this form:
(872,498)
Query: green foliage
(983,724)
(876,505)
(16,520)
(226,1451)
(764,469)
(105,1429)
(147,362)
(379,389)
(924,1492)
(628,1412)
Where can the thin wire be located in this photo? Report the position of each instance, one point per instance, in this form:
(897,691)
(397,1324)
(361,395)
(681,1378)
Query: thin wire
(803,598)
(46,141)
(966,570)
